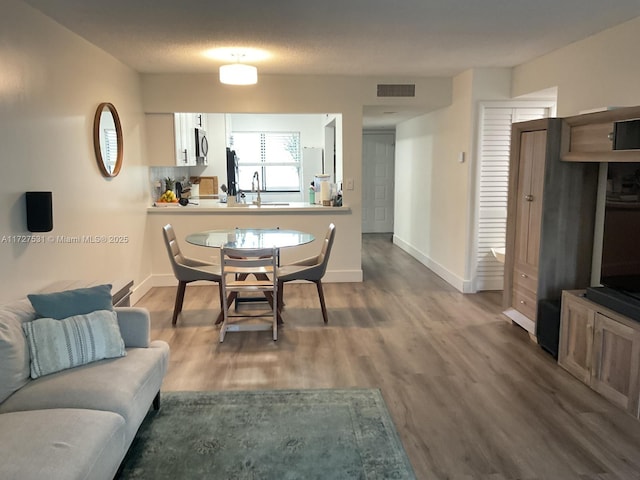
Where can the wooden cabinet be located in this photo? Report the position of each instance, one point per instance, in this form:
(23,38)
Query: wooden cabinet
(528,221)
(615,361)
(601,348)
(575,348)
(550,220)
(590,137)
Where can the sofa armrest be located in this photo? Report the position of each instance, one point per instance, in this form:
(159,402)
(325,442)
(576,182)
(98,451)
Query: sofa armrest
(135,326)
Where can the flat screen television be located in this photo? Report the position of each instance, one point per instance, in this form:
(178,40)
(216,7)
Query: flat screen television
(626,135)
(620,265)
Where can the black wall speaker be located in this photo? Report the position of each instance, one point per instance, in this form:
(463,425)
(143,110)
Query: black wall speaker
(39,211)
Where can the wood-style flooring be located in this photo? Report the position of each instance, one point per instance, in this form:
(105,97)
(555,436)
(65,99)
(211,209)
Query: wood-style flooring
(471,395)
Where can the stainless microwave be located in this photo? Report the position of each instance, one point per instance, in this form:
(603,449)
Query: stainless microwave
(202,145)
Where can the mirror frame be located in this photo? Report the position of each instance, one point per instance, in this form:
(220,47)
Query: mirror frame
(96,139)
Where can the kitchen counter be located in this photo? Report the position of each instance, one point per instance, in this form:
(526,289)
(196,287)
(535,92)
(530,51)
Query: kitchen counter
(205,206)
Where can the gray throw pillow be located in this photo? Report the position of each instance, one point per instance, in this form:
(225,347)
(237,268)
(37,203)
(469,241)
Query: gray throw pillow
(66,304)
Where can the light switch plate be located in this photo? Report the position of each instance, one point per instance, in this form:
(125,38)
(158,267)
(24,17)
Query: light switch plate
(349,183)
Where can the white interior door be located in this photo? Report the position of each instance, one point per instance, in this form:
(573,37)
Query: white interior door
(378,156)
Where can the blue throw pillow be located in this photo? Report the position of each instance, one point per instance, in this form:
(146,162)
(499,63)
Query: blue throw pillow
(56,345)
(66,304)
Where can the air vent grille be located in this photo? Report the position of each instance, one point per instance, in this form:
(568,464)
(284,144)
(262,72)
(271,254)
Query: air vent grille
(396,90)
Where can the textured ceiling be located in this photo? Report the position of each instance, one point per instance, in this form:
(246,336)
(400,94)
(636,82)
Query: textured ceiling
(337,37)
(391,38)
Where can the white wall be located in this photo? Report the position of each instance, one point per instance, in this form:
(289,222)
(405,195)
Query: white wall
(51,83)
(435,195)
(600,71)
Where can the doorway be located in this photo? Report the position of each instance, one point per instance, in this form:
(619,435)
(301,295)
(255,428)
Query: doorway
(492,177)
(378,159)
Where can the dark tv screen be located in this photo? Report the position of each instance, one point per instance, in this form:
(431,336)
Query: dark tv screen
(620,267)
(626,135)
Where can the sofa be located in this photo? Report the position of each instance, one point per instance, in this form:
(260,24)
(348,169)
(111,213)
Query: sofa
(76,422)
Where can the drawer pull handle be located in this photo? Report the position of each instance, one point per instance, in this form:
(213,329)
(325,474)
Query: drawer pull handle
(523,275)
(522,302)
(528,198)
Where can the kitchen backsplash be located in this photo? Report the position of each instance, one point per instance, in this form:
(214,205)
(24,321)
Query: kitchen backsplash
(158,174)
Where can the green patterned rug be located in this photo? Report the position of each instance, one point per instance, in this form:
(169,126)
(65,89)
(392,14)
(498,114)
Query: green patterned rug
(281,434)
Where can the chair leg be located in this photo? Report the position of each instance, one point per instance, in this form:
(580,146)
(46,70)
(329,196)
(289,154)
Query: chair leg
(276,313)
(322,305)
(281,295)
(226,303)
(221,295)
(179,300)
(229,301)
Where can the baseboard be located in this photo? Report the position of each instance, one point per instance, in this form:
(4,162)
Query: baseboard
(169,280)
(140,290)
(464,286)
(492,284)
(343,276)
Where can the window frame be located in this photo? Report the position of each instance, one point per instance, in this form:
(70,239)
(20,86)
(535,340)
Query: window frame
(263,164)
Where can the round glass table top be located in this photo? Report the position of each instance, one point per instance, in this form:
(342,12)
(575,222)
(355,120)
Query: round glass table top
(250,238)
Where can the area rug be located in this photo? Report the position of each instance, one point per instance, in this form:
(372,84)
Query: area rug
(280,434)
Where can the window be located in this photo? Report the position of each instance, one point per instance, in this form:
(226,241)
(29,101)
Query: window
(274,155)
(110,149)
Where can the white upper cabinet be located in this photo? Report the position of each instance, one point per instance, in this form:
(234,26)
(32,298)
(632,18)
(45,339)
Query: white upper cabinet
(185,125)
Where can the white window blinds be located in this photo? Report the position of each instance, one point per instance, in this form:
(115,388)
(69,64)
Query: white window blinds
(276,156)
(495,142)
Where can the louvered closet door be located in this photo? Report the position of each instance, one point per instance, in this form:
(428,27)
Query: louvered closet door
(495,141)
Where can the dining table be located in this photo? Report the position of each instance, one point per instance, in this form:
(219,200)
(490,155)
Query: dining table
(250,238)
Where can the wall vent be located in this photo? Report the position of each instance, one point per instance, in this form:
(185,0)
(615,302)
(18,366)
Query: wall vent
(387,90)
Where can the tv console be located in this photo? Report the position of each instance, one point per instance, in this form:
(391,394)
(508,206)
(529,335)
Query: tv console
(601,347)
(615,300)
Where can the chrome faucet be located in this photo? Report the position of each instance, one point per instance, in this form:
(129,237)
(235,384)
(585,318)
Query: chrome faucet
(255,188)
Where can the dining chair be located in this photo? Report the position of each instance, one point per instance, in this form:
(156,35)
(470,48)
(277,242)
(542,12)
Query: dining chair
(187,270)
(248,271)
(311,269)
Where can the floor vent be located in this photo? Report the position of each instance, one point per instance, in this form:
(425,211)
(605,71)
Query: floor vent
(407,90)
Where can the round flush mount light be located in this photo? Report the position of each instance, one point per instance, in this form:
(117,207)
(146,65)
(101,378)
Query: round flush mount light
(238,74)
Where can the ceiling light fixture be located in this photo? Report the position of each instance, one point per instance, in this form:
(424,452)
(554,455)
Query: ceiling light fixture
(238,73)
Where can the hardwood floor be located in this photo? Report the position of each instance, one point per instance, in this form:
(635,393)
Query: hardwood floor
(471,395)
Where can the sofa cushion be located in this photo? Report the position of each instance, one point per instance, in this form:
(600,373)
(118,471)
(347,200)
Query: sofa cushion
(61,444)
(14,353)
(68,303)
(124,385)
(55,345)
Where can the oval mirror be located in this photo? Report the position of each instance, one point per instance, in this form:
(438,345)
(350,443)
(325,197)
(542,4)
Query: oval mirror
(107,139)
